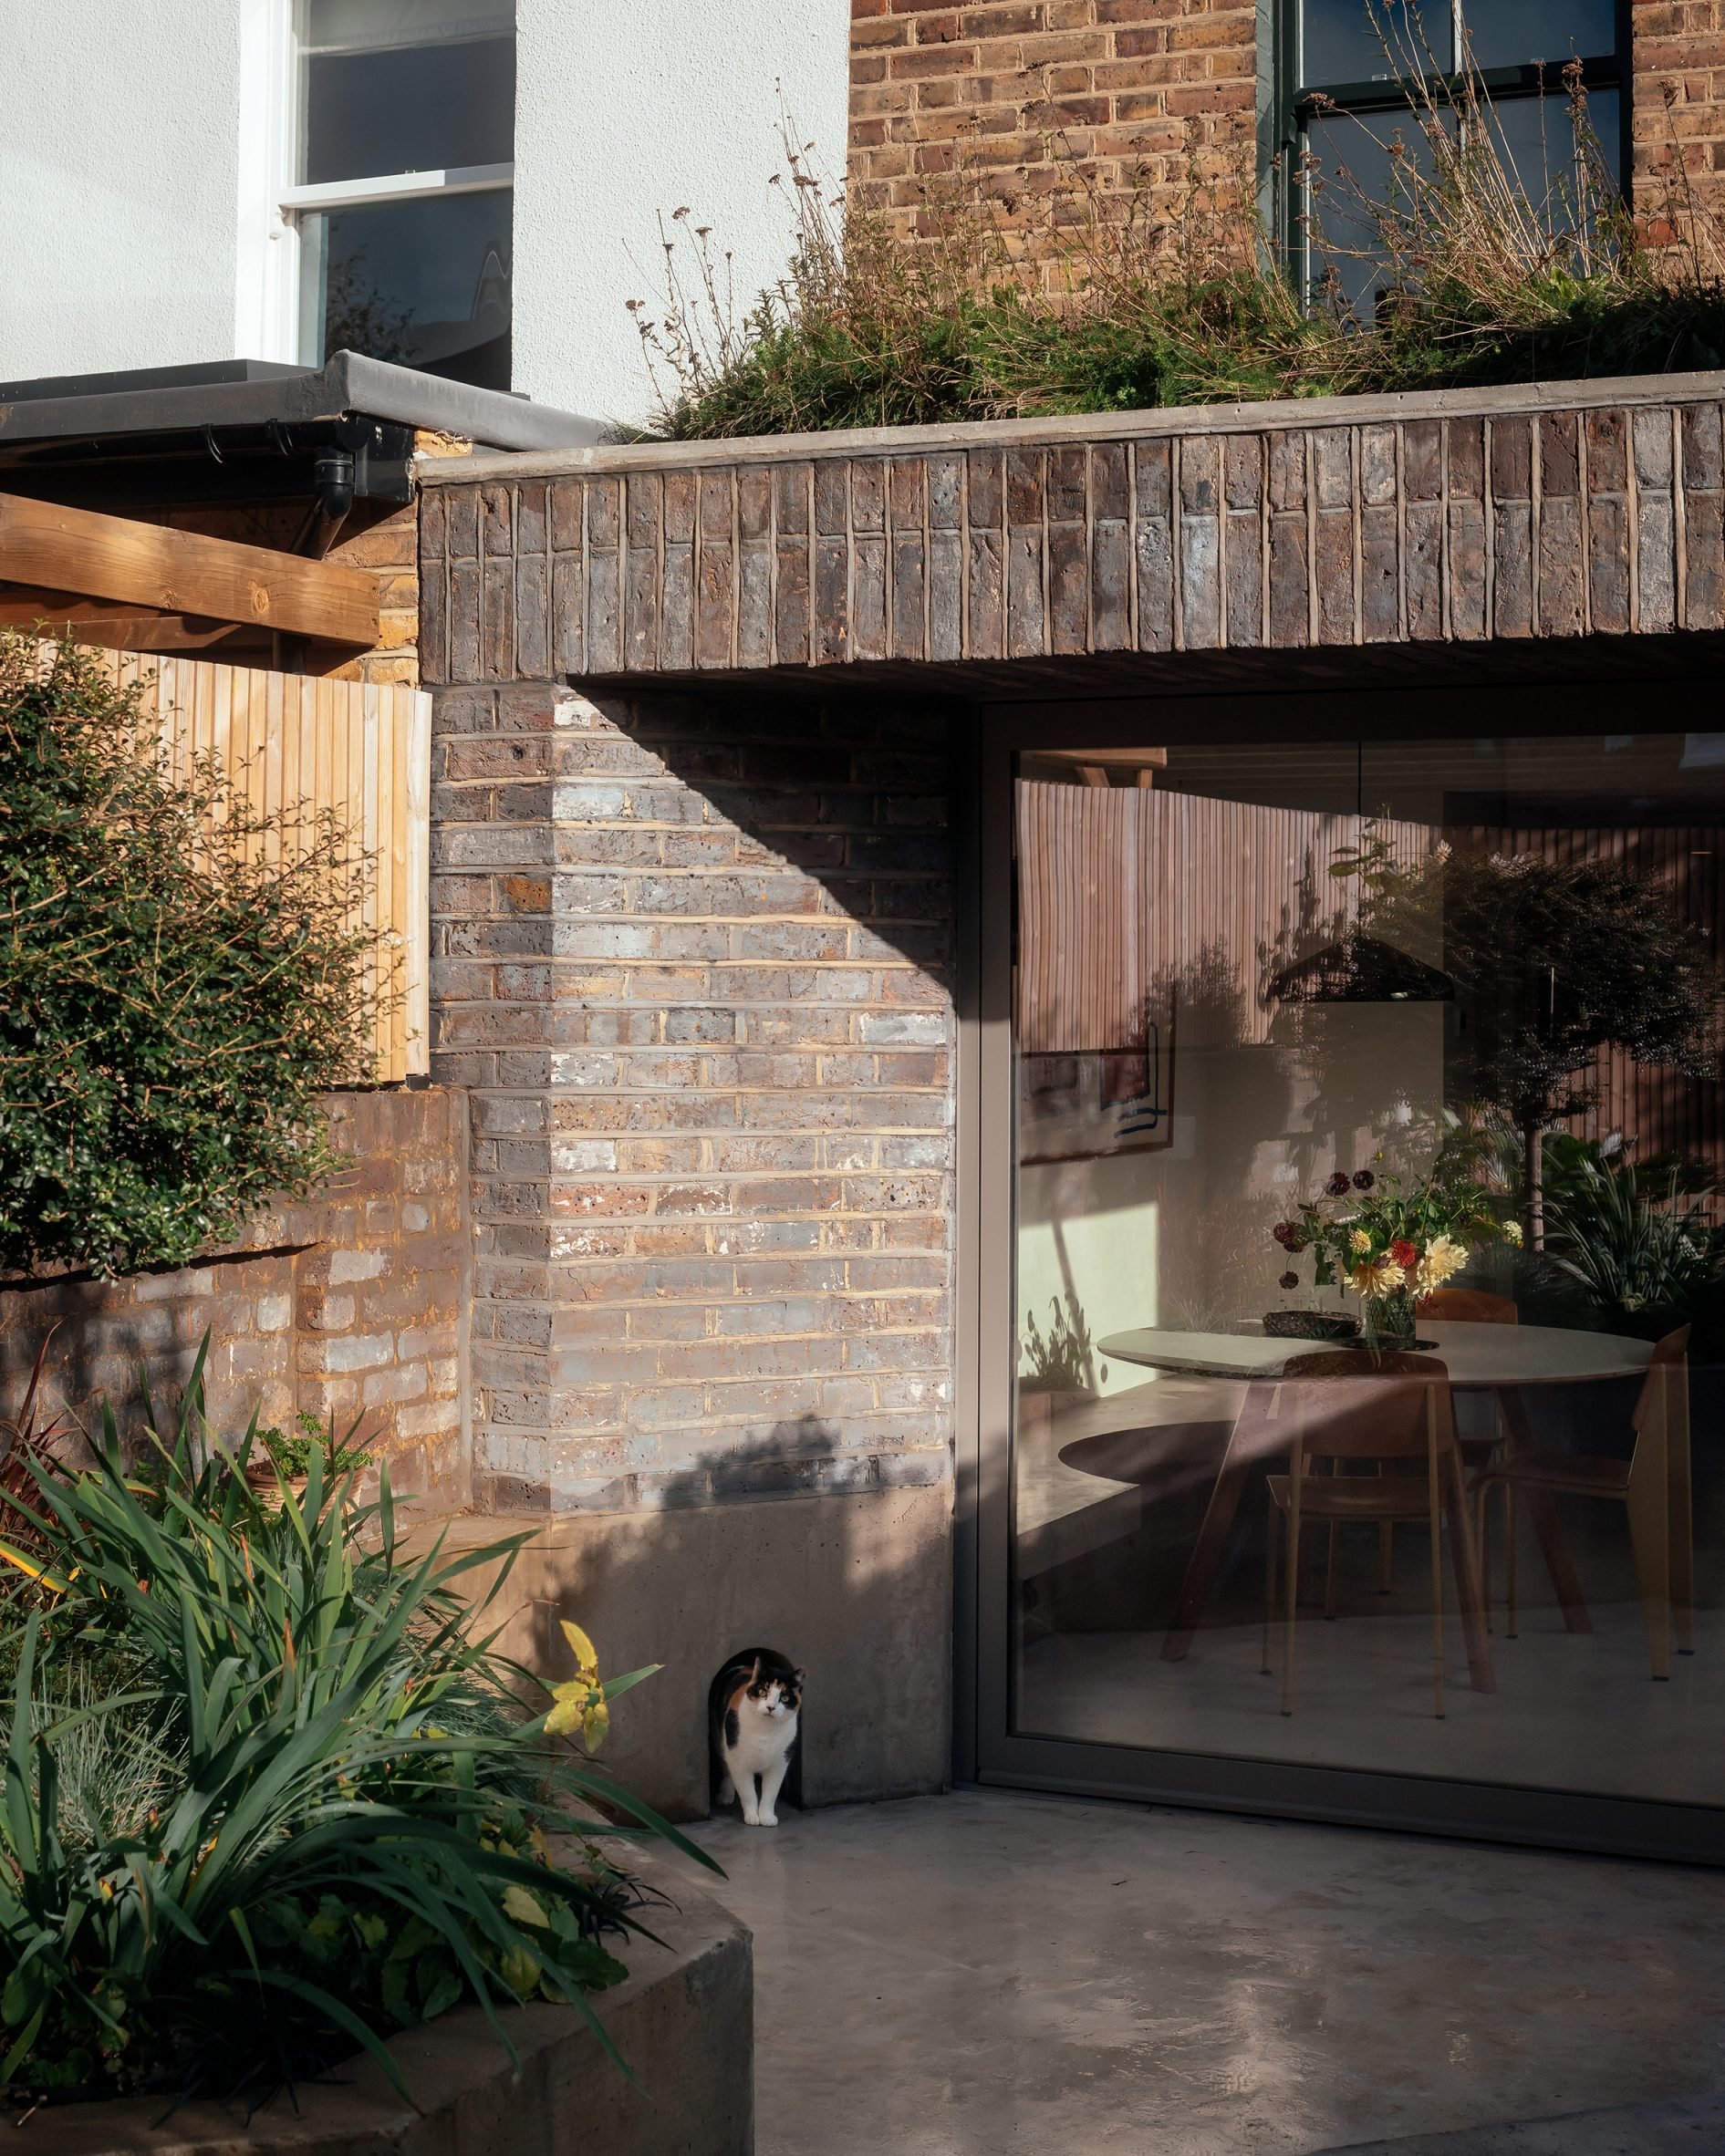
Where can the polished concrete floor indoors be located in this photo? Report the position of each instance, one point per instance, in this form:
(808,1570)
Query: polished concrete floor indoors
(985,1972)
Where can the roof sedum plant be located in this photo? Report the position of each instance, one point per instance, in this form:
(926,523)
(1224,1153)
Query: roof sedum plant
(266,1800)
(179,981)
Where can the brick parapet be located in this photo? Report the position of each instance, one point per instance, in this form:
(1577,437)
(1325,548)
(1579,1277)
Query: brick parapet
(693,967)
(1413,521)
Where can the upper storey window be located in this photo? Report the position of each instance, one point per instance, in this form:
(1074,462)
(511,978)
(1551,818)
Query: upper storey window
(405,173)
(1342,66)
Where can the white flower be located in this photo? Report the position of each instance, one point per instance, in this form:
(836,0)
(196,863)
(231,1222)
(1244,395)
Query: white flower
(1443,1259)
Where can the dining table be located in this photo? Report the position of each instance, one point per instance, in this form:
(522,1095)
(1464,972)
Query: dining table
(1504,1361)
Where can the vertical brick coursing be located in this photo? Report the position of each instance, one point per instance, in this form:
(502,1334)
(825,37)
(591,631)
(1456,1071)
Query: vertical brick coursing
(1131,90)
(692,962)
(352,1302)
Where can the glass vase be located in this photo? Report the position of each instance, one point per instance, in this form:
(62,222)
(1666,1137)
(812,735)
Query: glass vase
(1389,1323)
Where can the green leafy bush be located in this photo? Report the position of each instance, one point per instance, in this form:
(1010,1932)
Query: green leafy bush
(170,1009)
(265,1798)
(1110,302)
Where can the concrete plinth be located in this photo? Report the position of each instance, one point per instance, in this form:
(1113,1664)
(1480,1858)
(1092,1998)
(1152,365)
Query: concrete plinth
(856,1589)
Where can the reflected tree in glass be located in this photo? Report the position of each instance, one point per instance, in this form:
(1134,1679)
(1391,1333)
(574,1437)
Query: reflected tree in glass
(1553,960)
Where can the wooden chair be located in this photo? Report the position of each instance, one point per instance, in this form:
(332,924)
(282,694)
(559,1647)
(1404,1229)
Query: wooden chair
(1462,1306)
(1652,1485)
(1383,1411)
(1468,1306)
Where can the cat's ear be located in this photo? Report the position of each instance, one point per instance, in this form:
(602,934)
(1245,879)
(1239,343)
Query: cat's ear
(755,1674)
(799,1677)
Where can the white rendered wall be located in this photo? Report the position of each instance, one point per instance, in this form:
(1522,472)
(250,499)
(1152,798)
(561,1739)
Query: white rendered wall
(118,180)
(626,107)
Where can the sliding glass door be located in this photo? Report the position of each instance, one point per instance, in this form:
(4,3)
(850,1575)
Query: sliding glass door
(1354,1159)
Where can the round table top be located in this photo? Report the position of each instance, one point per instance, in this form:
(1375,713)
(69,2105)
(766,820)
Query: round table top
(1476,1356)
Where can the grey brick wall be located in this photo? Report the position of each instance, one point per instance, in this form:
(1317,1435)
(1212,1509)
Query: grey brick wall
(692,961)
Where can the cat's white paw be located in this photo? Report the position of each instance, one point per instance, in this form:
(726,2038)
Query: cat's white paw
(768,1819)
(751,1818)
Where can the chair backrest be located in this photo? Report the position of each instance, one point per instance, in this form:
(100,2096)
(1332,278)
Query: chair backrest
(1349,1405)
(1468,1306)
(1666,1381)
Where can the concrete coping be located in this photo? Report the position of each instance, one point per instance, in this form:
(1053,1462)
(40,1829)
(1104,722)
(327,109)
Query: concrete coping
(1281,414)
(683,2020)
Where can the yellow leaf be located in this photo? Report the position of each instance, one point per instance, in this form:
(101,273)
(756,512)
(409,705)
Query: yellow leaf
(595,1723)
(519,1971)
(585,1653)
(526,1910)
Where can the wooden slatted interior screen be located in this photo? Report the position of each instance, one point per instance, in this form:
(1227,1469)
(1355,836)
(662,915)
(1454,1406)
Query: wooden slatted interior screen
(361,749)
(1122,891)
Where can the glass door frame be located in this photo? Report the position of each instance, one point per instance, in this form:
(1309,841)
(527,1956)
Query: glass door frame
(986,1749)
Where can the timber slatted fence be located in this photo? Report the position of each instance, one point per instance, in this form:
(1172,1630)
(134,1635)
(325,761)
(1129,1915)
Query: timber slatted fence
(359,750)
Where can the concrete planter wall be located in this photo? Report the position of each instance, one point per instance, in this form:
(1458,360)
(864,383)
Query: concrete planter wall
(684,2021)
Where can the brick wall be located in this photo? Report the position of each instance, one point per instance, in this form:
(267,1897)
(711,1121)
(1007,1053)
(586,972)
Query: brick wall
(353,1302)
(1678,113)
(1134,88)
(1130,88)
(692,961)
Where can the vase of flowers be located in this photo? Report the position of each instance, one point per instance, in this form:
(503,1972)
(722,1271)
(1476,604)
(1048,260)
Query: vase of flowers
(1392,1242)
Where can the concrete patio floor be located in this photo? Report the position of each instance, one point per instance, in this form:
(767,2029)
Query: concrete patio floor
(979,1973)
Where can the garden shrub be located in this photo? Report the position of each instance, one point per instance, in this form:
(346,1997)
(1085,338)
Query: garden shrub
(266,1798)
(1111,304)
(170,1009)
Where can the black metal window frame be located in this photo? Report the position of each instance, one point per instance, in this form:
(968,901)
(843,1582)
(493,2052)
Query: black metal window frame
(1296,103)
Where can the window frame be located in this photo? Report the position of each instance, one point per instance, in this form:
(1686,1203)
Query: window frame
(273,204)
(1296,102)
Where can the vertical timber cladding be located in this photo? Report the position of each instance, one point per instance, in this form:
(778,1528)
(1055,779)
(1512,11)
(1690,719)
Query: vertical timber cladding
(691,959)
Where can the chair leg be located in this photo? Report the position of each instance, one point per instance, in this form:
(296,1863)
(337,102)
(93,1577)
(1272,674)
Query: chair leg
(1329,1579)
(1510,1539)
(1292,1596)
(1482,1537)
(1271,1535)
(1648,1505)
(1435,1506)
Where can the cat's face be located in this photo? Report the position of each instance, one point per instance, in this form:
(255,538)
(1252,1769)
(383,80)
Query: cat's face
(775,1698)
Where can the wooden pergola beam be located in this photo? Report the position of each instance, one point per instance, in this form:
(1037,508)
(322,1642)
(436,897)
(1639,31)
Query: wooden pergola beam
(149,570)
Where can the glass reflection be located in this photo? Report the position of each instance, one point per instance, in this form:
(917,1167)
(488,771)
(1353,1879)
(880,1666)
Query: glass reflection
(424,283)
(1370,1257)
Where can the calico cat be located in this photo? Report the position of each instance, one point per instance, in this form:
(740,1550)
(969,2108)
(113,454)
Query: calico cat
(756,1707)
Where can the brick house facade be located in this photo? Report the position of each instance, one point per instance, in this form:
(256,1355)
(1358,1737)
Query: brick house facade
(1139,94)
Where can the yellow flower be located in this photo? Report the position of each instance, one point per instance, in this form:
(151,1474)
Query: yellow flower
(1381,1278)
(1360,1240)
(1513,1232)
(1444,1258)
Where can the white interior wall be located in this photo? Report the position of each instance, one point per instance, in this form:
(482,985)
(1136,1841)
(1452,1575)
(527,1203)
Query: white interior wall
(119,181)
(1181,1236)
(628,107)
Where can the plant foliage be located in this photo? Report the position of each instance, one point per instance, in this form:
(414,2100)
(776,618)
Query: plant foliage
(266,1799)
(1076,298)
(179,981)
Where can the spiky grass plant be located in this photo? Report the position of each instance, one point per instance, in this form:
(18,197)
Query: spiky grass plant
(331,1824)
